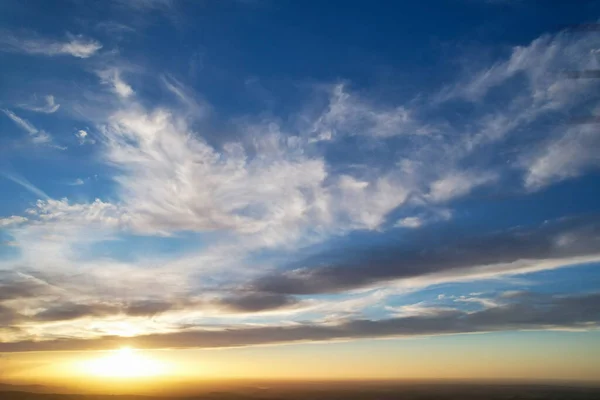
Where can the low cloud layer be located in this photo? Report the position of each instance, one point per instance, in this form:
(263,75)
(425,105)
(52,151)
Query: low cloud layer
(524,312)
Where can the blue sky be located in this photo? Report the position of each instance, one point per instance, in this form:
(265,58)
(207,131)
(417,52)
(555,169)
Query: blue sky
(295,171)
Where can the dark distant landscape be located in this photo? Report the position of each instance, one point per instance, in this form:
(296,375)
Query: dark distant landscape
(338,391)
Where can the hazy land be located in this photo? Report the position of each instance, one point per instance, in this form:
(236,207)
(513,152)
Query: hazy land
(327,391)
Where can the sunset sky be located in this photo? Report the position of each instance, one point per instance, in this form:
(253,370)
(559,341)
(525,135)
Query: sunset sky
(308,189)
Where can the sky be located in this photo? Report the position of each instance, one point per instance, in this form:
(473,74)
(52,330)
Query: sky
(285,189)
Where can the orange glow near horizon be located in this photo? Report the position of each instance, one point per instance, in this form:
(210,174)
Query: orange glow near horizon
(462,357)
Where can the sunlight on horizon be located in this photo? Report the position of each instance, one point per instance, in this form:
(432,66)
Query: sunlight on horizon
(125,362)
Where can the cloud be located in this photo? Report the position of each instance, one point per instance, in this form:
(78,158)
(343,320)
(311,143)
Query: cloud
(348,114)
(254,302)
(49,107)
(187,189)
(457,184)
(12,220)
(485,302)
(539,312)
(77,182)
(417,221)
(84,137)
(62,210)
(76,45)
(24,124)
(280,186)
(70,311)
(173,181)
(8,316)
(147,308)
(541,95)
(196,108)
(37,136)
(540,62)
(409,222)
(14,285)
(572,154)
(112,77)
(513,250)
(367,203)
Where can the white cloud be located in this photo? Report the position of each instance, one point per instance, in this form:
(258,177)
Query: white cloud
(173,180)
(457,184)
(100,212)
(409,222)
(540,62)
(368,203)
(76,45)
(196,108)
(112,77)
(49,107)
(77,182)
(483,301)
(348,114)
(84,137)
(42,137)
(418,309)
(12,220)
(539,90)
(566,157)
(424,218)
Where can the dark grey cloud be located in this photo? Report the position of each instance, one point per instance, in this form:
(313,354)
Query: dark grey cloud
(364,265)
(525,311)
(146,308)
(70,311)
(255,302)
(139,308)
(13,286)
(8,316)
(243,303)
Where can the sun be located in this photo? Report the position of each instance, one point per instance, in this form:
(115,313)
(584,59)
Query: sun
(125,362)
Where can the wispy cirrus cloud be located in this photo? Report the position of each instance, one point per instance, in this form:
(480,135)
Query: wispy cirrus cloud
(50,106)
(22,123)
(568,156)
(37,136)
(112,77)
(76,45)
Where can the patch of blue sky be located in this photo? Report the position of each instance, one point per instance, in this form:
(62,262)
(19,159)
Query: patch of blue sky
(8,248)
(482,211)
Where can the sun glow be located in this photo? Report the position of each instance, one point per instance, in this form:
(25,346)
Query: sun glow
(125,363)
